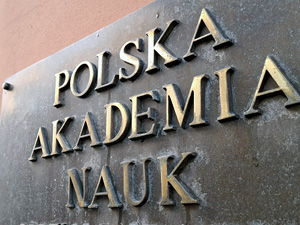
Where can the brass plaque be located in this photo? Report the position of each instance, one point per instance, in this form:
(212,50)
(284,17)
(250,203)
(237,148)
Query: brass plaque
(184,112)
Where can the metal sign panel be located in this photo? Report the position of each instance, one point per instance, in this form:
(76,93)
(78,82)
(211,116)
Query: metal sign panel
(184,112)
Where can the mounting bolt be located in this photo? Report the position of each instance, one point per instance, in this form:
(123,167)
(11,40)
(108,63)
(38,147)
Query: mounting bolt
(6,86)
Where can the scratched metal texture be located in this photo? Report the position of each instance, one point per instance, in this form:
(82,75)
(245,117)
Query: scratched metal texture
(247,171)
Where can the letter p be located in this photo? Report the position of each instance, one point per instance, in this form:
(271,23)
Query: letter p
(62,80)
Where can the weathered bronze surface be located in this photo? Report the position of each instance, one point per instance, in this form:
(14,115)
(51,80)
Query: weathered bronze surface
(184,112)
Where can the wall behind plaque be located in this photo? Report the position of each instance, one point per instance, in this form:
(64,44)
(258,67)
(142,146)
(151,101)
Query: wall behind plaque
(31,30)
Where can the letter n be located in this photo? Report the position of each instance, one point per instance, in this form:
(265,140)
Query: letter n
(77,187)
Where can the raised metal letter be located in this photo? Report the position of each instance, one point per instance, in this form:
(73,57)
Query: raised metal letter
(80,188)
(172,179)
(125,123)
(60,85)
(74,78)
(284,86)
(157,47)
(102,83)
(128,179)
(105,181)
(214,32)
(88,130)
(195,98)
(225,94)
(40,144)
(137,116)
(59,141)
(132,60)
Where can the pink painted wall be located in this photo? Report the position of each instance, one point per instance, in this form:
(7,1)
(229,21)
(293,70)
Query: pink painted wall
(31,30)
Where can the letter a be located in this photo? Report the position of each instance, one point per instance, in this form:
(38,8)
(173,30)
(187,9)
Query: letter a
(41,143)
(105,187)
(284,86)
(214,32)
(88,130)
